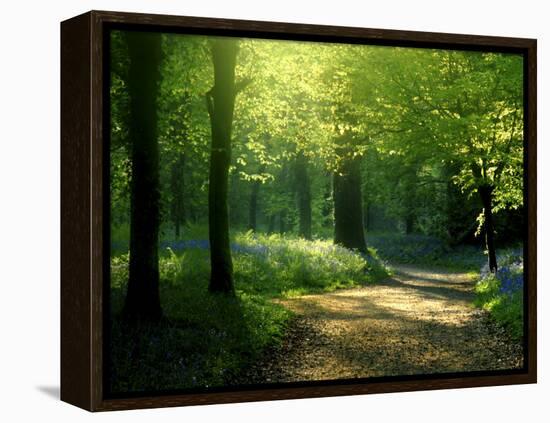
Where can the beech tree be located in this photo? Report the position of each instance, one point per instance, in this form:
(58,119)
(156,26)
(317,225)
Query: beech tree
(142,298)
(460,112)
(221,102)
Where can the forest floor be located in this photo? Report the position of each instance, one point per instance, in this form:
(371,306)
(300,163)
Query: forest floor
(420,320)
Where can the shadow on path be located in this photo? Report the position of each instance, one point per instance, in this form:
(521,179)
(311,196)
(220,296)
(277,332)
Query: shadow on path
(419,321)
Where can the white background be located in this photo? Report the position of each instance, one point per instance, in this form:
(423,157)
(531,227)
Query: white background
(29,209)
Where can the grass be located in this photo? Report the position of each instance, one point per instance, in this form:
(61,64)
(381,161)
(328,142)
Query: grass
(206,339)
(501,294)
(426,250)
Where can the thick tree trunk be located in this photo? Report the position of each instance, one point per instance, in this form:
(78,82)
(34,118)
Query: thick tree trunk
(221,102)
(177,185)
(142,298)
(253,206)
(486,194)
(348,209)
(303,191)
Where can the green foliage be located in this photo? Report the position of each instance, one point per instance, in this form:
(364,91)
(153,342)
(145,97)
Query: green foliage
(287,266)
(507,310)
(501,294)
(426,122)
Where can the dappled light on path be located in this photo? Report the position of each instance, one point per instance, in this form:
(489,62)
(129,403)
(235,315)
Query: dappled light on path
(417,322)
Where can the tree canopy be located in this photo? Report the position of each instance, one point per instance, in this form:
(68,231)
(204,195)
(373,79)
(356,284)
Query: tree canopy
(325,139)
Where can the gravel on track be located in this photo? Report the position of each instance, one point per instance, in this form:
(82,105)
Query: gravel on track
(419,321)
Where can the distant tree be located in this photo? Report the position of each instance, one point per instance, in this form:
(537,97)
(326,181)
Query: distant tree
(348,201)
(253,206)
(346,109)
(184,128)
(459,115)
(302,185)
(177,185)
(479,123)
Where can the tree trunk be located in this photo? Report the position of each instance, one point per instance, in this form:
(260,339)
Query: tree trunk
(253,206)
(303,190)
(410,183)
(327,208)
(409,223)
(348,209)
(142,298)
(366,217)
(271,227)
(486,194)
(221,102)
(191,213)
(177,185)
(282,221)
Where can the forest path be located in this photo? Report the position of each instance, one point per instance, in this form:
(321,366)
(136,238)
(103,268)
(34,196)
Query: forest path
(417,321)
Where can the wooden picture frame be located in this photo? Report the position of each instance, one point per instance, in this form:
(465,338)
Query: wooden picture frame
(84,111)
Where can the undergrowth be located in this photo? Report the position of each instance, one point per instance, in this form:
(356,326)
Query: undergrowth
(501,294)
(206,339)
(425,250)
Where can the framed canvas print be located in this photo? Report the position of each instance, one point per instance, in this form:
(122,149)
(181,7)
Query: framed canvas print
(258,210)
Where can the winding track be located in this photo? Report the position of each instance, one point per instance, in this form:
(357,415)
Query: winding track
(418,321)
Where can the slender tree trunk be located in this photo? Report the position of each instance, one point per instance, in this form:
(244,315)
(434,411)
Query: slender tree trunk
(253,206)
(271,227)
(282,185)
(282,221)
(410,199)
(486,194)
(366,217)
(328,203)
(348,209)
(303,190)
(142,298)
(221,102)
(409,223)
(177,185)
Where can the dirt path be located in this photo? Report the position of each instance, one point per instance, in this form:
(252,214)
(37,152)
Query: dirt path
(418,321)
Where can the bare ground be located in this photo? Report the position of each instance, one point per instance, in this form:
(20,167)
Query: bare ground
(418,321)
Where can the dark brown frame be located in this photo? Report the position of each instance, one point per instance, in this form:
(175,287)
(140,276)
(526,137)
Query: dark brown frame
(82,204)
